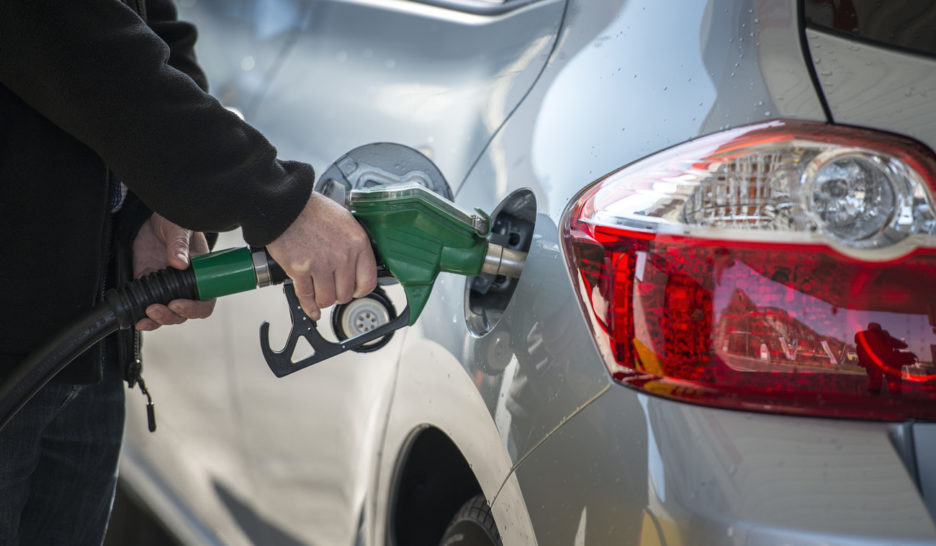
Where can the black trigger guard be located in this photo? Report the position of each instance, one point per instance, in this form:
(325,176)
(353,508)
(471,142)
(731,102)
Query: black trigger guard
(280,362)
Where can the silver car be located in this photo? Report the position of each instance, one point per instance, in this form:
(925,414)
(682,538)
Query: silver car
(724,329)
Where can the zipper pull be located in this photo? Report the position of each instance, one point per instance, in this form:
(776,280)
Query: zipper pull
(134,376)
(150,408)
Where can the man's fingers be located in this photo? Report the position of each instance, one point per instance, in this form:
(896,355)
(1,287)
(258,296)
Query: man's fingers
(198,244)
(177,312)
(344,282)
(146,325)
(366,274)
(177,247)
(305,291)
(324,282)
(163,316)
(176,238)
(192,309)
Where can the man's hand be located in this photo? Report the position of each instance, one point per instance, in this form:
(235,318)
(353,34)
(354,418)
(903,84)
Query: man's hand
(161,243)
(327,254)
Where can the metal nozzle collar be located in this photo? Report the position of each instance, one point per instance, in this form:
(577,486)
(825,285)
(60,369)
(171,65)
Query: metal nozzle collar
(504,261)
(261,266)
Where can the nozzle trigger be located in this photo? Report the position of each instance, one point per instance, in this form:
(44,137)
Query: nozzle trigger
(281,363)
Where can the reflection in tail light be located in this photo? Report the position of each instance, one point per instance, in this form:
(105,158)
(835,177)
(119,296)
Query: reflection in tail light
(788,267)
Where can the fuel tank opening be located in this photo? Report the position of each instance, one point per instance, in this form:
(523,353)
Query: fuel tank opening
(487,294)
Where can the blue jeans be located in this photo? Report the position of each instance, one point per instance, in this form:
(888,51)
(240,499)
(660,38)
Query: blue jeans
(58,464)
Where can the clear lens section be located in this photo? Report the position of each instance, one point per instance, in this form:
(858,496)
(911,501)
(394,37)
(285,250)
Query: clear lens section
(853,197)
(750,191)
(777,318)
(812,182)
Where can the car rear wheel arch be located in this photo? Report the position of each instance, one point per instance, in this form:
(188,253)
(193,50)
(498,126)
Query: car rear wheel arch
(431,483)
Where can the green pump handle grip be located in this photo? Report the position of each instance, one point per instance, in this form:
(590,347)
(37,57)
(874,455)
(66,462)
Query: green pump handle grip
(417,234)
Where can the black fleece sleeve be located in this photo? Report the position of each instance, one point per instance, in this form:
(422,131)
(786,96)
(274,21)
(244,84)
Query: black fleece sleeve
(180,36)
(95,69)
(163,17)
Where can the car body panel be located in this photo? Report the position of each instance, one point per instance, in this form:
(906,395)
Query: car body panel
(436,79)
(674,473)
(432,390)
(923,437)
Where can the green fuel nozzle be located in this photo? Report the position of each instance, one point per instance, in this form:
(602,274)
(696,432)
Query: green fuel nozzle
(419,234)
(416,235)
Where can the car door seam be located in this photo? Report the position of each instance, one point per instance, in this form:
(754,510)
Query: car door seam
(564,420)
(542,70)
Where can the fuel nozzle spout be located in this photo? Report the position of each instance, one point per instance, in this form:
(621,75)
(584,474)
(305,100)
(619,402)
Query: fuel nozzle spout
(500,260)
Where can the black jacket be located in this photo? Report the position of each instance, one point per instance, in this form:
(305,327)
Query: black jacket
(91,89)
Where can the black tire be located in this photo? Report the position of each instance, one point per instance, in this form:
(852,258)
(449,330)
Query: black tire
(473,525)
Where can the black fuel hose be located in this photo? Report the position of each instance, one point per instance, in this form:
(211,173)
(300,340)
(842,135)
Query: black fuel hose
(121,309)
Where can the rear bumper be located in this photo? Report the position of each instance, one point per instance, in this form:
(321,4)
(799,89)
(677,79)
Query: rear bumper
(631,468)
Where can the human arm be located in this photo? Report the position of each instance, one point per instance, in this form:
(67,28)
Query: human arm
(96,70)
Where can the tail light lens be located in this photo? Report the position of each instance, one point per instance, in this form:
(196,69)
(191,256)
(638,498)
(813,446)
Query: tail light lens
(784,267)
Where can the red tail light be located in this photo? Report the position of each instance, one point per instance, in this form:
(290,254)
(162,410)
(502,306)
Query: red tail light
(786,267)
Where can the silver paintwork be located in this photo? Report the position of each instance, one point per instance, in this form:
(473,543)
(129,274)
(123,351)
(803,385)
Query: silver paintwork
(923,443)
(500,102)
(704,476)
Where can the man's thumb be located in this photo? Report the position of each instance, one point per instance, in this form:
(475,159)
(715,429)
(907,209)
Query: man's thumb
(177,250)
